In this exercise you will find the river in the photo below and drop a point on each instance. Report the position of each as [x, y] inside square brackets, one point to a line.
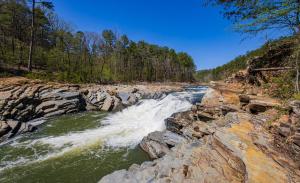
[86, 146]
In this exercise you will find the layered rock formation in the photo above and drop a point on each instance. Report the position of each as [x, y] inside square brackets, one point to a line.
[226, 138]
[27, 100]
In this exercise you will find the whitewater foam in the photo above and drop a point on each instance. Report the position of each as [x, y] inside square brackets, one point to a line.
[121, 129]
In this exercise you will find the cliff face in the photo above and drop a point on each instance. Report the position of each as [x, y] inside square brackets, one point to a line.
[229, 137]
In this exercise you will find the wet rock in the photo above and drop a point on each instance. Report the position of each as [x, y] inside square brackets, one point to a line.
[4, 128]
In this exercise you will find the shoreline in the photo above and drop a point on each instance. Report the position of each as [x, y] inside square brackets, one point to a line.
[23, 100]
[224, 138]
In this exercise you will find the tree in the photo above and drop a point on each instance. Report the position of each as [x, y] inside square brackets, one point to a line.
[45, 4]
[255, 16]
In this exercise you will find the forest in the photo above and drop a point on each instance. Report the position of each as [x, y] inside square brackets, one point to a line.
[35, 42]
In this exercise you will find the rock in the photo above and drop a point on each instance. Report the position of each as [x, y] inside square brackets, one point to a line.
[203, 116]
[101, 96]
[197, 129]
[154, 145]
[172, 139]
[108, 104]
[296, 138]
[132, 99]
[257, 106]
[117, 104]
[295, 105]
[157, 144]
[124, 96]
[212, 98]
[244, 98]
[4, 128]
[284, 129]
[177, 121]
[228, 108]
[193, 162]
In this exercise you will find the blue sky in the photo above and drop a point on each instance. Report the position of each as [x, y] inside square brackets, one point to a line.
[184, 25]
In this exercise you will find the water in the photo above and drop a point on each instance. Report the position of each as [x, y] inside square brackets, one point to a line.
[86, 146]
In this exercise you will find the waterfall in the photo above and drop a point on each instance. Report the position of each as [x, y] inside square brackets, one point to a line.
[118, 130]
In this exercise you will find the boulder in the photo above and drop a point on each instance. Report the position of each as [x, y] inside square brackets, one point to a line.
[108, 104]
[154, 145]
[157, 144]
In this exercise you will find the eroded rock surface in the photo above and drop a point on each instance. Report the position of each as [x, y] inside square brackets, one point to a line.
[27, 100]
[223, 142]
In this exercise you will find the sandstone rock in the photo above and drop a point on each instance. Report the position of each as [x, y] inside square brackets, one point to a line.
[228, 108]
[108, 104]
[203, 116]
[296, 138]
[212, 98]
[193, 162]
[257, 106]
[197, 129]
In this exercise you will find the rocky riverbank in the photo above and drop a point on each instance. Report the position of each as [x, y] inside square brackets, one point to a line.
[233, 135]
[24, 103]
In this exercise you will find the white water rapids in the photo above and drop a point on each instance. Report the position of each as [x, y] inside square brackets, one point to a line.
[121, 129]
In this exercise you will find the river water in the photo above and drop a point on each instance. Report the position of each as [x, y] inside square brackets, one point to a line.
[86, 146]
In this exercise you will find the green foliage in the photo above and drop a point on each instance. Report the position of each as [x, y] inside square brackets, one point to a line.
[296, 96]
[281, 86]
[65, 55]
[240, 62]
[254, 16]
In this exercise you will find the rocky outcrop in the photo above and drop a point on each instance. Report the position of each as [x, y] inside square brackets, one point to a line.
[220, 141]
[27, 100]
[158, 144]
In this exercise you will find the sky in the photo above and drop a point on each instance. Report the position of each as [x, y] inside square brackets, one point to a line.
[185, 25]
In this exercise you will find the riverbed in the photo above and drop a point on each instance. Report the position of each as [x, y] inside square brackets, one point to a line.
[86, 146]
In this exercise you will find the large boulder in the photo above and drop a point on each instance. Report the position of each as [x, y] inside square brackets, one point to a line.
[157, 144]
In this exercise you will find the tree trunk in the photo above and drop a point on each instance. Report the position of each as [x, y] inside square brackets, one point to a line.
[297, 73]
[31, 37]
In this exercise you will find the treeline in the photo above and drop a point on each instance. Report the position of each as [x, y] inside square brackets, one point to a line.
[60, 53]
[240, 62]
